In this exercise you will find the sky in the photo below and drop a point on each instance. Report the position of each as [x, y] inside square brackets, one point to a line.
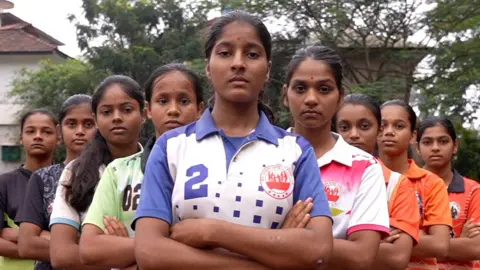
[50, 16]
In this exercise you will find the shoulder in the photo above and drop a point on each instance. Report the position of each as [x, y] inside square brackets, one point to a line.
[362, 159]
[9, 177]
[431, 179]
[54, 170]
[289, 137]
[183, 131]
[121, 164]
[471, 183]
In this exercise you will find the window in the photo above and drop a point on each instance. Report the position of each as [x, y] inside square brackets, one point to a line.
[11, 152]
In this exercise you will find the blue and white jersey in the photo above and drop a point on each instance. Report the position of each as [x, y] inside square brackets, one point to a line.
[197, 171]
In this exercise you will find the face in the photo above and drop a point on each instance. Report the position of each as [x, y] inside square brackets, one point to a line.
[78, 127]
[312, 94]
[173, 102]
[437, 147]
[396, 135]
[358, 126]
[119, 117]
[39, 136]
[238, 67]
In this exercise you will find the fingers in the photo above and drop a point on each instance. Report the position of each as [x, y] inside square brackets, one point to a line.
[391, 238]
[298, 214]
[303, 223]
[108, 226]
[473, 232]
[113, 226]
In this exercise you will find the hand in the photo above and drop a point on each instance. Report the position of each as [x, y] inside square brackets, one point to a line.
[45, 235]
[114, 227]
[10, 234]
[394, 235]
[194, 232]
[299, 215]
[470, 229]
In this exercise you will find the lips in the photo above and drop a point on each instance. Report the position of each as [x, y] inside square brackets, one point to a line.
[79, 141]
[388, 142]
[238, 80]
[37, 145]
[173, 124]
[118, 130]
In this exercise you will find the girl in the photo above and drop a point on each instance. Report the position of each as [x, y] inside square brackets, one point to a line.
[228, 180]
[398, 131]
[175, 98]
[437, 144]
[118, 107]
[358, 122]
[353, 179]
[39, 138]
[77, 128]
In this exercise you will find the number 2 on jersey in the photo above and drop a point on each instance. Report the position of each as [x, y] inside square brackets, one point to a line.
[201, 173]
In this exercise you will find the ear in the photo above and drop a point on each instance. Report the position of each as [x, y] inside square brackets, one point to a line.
[200, 109]
[95, 120]
[59, 134]
[413, 139]
[340, 101]
[267, 78]
[284, 95]
[456, 143]
[144, 115]
[417, 147]
[148, 110]
[21, 139]
[207, 70]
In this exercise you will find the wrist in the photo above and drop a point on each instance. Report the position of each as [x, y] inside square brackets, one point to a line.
[213, 232]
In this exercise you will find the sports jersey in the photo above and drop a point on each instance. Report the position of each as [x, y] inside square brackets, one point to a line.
[402, 203]
[355, 189]
[432, 199]
[12, 192]
[117, 193]
[464, 195]
[63, 212]
[37, 205]
[195, 172]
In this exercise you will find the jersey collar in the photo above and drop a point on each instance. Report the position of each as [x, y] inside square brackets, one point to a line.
[414, 172]
[341, 153]
[265, 130]
[457, 185]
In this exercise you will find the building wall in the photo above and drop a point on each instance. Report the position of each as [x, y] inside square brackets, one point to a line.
[9, 108]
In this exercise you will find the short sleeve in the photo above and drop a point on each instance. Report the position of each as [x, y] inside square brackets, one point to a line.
[437, 203]
[105, 201]
[308, 182]
[473, 210]
[32, 209]
[3, 202]
[157, 187]
[63, 212]
[370, 210]
[404, 214]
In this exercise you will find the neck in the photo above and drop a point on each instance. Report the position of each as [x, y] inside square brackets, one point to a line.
[445, 173]
[71, 155]
[235, 119]
[33, 163]
[320, 138]
[121, 151]
[397, 163]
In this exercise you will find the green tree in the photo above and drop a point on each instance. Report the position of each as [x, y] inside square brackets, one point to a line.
[468, 157]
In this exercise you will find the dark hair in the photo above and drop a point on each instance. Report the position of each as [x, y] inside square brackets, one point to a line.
[367, 102]
[164, 70]
[72, 102]
[319, 53]
[216, 31]
[412, 116]
[437, 120]
[37, 111]
[85, 175]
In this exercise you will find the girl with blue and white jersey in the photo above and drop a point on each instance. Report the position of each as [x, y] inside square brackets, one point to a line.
[227, 181]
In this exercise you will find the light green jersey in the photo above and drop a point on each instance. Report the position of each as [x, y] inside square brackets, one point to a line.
[118, 192]
[11, 263]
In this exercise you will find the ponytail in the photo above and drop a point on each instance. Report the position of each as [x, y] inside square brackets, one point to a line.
[85, 174]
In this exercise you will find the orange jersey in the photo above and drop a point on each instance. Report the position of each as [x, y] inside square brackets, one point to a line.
[432, 198]
[402, 203]
[464, 197]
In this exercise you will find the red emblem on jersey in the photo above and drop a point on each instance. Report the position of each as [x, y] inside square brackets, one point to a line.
[277, 181]
[333, 191]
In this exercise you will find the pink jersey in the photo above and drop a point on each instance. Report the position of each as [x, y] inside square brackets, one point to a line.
[355, 188]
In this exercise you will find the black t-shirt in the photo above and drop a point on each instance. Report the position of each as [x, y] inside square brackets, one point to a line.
[12, 192]
[146, 152]
[37, 205]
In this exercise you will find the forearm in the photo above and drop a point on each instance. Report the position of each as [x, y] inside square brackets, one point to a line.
[279, 249]
[10, 234]
[68, 257]
[104, 250]
[429, 247]
[350, 255]
[464, 249]
[8, 249]
[35, 248]
[131, 267]
[168, 254]
[391, 256]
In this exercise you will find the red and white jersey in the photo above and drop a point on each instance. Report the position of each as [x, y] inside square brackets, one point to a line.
[355, 188]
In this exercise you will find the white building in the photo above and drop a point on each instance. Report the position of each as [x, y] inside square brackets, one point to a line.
[21, 46]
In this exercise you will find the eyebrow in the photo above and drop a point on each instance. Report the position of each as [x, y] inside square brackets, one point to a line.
[317, 81]
[230, 44]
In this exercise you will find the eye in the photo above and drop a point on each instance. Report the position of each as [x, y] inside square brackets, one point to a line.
[29, 132]
[444, 141]
[224, 53]
[299, 88]
[105, 112]
[324, 89]
[71, 124]
[399, 126]
[185, 101]
[344, 127]
[253, 55]
[128, 109]
[365, 126]
[89, 124]
[163, 101]
[426, 142]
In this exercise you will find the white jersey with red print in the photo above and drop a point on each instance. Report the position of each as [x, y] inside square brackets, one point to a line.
[355, 188]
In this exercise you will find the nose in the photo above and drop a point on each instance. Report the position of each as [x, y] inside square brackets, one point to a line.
[173, 109]
[238, 62]
[435, 147]
[80, 131]
[387, 130]
[117, 116]
[311, 98]
[38, 136]
[354, 135]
